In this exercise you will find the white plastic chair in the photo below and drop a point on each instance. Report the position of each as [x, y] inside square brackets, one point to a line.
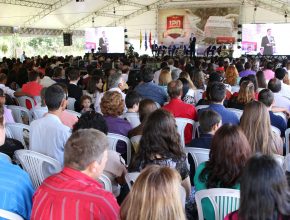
[9, 215]
[198, 95]
[38, 112]
[71, 103]
[113, 140]
[276, 130]
[201, 107]
[22, 101]
[77, 114]
[199, 155]
[133, 119]
[235, 89]
[287, 134]
[135, 140]
[181, 124]
[34, 163]
[131, 178]
[18, 112]
[279, 158]
[238, 112]
[224, 201]
[17, 131]
[106, 182]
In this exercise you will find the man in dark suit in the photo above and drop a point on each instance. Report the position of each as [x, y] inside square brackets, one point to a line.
[74, 91]
[192, 41]
[103, 43]
[268, 43]
[171, 49]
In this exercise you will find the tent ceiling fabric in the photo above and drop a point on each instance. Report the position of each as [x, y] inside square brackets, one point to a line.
[71, 15]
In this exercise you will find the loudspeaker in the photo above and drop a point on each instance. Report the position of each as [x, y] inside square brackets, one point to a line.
[67, 39]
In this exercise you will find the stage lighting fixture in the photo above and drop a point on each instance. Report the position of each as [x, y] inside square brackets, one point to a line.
[126, 36]
[239, 25]
[125, 30]
[239, 32]
[239, 40]
[80, 0]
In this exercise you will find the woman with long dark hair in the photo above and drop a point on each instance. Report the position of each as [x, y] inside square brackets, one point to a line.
[229, 152]
[264, 191]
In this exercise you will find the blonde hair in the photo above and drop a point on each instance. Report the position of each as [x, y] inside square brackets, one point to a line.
[246, 93]
[165, 77]
[155, 195]
[255, 123]
[231, 75]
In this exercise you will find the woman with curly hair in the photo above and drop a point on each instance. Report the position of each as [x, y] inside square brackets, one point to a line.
[231, 75]
[160, 144]
[229, 153]
[112, 106]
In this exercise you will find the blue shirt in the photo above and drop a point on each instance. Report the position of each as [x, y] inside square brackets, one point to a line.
[227, 115]
[204, 141]
[152, 91]
[278, 122]
[16, 189]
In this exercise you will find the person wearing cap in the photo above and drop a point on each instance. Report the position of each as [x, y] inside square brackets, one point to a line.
[280, 74]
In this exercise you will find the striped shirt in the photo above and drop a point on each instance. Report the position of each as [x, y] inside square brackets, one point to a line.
[71, 195]
[16, 189]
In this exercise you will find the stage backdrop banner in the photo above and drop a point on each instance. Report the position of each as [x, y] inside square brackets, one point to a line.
[207, 24]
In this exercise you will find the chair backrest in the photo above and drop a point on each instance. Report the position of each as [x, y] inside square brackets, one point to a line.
[19, 132]
[287, 134]
[9, 215]
[71, 103]
[279, 158]
[276, 130]
[238, 112]
[198, 95]
[22, 101]
[235, 89]
[201, 107]
[19, 113]
[38, 113]
[199, 155]
[34, 162]
[131, 178]
[133, 119]
[77, 114]
[181, 124]
[113, 140]
[223, 200]
[135, 140]
[106, 182]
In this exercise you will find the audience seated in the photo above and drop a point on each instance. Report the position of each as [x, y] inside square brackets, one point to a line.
[280, 74]
[155, 195]
[164, 79]
[8, 117]
[268, 71]
[7, 90]
[209, 122]
[32, 88]
[262, 84]
[74, 91]
[48, 135]
[94, 85]
[86, 102]
[149, 90]
[180, 109]
[217, 94]
[267, 97]
[279, 100]
[45, 79]
[229, 153]
[255, 122]
[160, 144]
[188, 94]
[264, 191]
[248, 70]
[231, 75]
[75, 192]
[132, 101]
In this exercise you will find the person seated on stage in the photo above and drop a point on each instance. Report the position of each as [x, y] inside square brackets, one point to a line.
[16, 188]
[150, 90]
[209, 122]
[161, 49]
[75, 192]
[266, 96]
[171, 49]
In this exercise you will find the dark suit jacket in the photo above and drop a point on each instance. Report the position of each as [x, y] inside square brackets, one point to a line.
[104, 48]
[268, 50]
[74, 91]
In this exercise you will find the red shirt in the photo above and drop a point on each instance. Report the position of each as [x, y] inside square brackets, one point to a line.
[32, 88]
[71, 195]
[181, 109]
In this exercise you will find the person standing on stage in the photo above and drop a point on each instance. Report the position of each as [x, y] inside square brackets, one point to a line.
[103, 43]
[268, 43]
[171, 49]
[192, 41]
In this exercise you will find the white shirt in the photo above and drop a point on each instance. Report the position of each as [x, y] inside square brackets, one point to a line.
[285, 90]
[281, 101]
[7, 90]
[48, 136]
[46, 81]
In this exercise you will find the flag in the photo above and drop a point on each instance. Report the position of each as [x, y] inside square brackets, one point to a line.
[150, 40]
[140, 39]
[146, 46]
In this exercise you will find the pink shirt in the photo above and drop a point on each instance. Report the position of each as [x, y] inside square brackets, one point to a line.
[269, 74]
[68, 119]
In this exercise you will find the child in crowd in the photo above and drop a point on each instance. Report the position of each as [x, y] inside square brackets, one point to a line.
[86, 102]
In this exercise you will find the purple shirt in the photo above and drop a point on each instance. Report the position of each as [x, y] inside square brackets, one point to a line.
[118, 126]
[246, 73]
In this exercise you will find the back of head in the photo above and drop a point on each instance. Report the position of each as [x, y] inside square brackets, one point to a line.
[270, 195]
[147, 74]
[274, 85]
[246, 92]
[146, 107]
[185, 86]
[33, 75]
[112, 104]
[165, 77]
[270, 66]
[54, 95]
[84, 147]
[248, 65]
[74, 74]
[217, 92]
[280, 73]
[225, 161]
[255, 122]
[155, 195]
[207, 119]
[114, 80]
[132, 98]
[174, 89]
[266, 96]
[3, 78]
[261, 80]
